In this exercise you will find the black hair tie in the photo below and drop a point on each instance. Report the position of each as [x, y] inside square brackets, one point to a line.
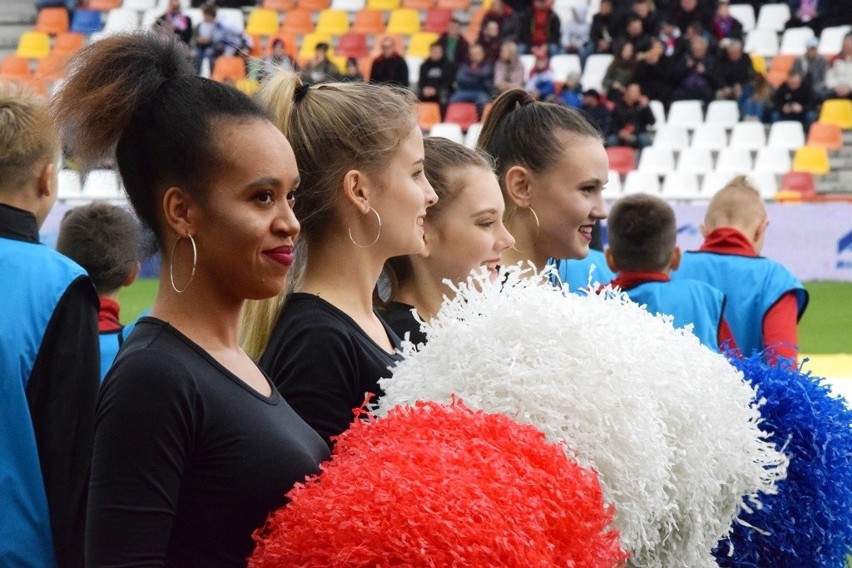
[300, 92]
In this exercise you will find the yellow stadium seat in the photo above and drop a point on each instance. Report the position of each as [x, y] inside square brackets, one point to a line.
[262, 22]
[420, 43]
[404, 21]
[759, 63]
[382, 4]
[309, 44]
[837, 111]
[33, 45]
[339, 62]
[811, 159]
[248, 86]
[333, 22]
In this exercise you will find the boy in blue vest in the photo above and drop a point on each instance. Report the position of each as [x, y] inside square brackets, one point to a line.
[643, 251]
[105, 240]
[48, 354]
[765, 300]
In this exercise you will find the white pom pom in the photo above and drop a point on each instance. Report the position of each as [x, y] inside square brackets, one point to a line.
[670, 426]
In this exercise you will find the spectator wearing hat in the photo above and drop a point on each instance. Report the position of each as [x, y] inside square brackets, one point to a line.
[813, 67]
[597, 112]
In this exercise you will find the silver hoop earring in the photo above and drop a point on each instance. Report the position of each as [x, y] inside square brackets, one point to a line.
[172, 264]
[378, 234]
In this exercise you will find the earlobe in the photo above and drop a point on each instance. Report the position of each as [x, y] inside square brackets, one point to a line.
[518, 186]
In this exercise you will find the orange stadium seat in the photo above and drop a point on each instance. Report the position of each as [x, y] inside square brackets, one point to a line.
[103, 5]
[779, 69]
[353, 45]
[69, 43]
[14, 68]
[52, 21]
[315, 5]
[368, 22]
[229, 68]
[829, 136]
[437, 20]
[463, 114]
[418, 4]
[52, 67]
[454, 4]
[279, 5]
[428, 115]
[298, 21]
[474, 25]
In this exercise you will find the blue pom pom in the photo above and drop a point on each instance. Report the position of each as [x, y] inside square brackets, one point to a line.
[809, 521]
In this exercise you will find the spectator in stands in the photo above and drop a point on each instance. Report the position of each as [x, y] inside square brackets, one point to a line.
[571, 94]
[725, 26]
[278, 59]
[694, 74]
[436, 77]
[794, 100]
[634, 33]
[814, 68]
[756, 106]
[320, 69]
[670, 37]
[214, 37]
[509, 70]
[734, 73]
[474, 79]
[765, 301]
[839, 76]
[644, 10]
[539, 26]
[456, 48]
[505, 17]
[48, 355]
[631, 119]
[541, 83]
[389, 67]
[655, 72]
[691, 11]
[575, 32]
[596, 111]
[106, 241]
[352, 73]
[490, 40]
[621, 71]
[601, 32]
[684, 43]
[804, 13]
[175, 21]
[643, 252]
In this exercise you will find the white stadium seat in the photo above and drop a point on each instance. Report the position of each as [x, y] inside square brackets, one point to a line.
[656, 160]
[695, 161]
[789, 134]
[773, 16]
[773, 160]
[734, 160]
[448, 130]
[685, 113]
[681, 185]
[710, 136]
[748, 136]
[642, 182]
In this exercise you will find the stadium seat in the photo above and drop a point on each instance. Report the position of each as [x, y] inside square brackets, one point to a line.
[565, 63]
[800, 182]
[121, 20]
[437, 20]
[766, 184]
[787, 134]
[447, 130]
[831, 40]
[428, 115]
[419, 44]
[418, 4]
[773, 17]
[69, 43]
[290, 43]
[33, 45]
[139, 5]
[233, 16]
[277, 5]
[748, 136]
[745, 14]
[733, 160]
[369, 22]
[52, 21]
[794, 39]
[773, 160]
[298, 21]
[724, 113]
[386, 5]
[229, 68]
[103, 5]
[309, 45]
[762, 42]
[68, 186]
[353, 45]
[314, 5]
[474, 25]
[671, 136]
[827, 135]
[837, 111]
[622, 159]
[404, 21]
[455, 4]
[656, 160]
[759, 63]
[248, 86]
[14, 68]
[262, 22]
[685, 113]
[594, 71]
[681, 185]
[779, 69]
[613, 185]
[414, 62]
[102, 184]
[659, 110]
[811, 159]
[471, 137]
[641, 182]
[695, 161]
[528, 61]
[51, 68]
[332, 22]
[710, 136]
[714, 181]
[463, 114]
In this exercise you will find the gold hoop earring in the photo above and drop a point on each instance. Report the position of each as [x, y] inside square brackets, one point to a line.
[537, 227]
[378, 234]
[172, 264]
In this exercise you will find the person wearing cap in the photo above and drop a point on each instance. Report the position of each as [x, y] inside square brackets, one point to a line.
[813, 67]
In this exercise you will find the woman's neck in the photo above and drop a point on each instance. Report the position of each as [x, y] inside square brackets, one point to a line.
[343, 277]
[424, 292]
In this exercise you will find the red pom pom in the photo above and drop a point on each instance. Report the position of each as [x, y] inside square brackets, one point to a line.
[438, 485]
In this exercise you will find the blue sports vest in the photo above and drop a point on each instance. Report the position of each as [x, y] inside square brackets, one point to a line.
[575, 273]
[33, 279]
[688, 301]
[752, 285]
[110, 343]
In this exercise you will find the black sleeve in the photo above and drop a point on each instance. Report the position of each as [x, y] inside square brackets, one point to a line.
[61, 395]
[403, 71]
[146, 414]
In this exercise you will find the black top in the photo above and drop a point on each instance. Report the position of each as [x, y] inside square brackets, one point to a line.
[399, 318]
[188, 459]
[324, 363]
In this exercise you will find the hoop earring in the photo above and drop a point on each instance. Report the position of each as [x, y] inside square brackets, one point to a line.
[379, 234]
[172, 264]
[537, 227]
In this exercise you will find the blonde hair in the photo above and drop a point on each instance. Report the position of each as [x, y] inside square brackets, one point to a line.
[738, 205]
[333, 128]
[28, 135]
